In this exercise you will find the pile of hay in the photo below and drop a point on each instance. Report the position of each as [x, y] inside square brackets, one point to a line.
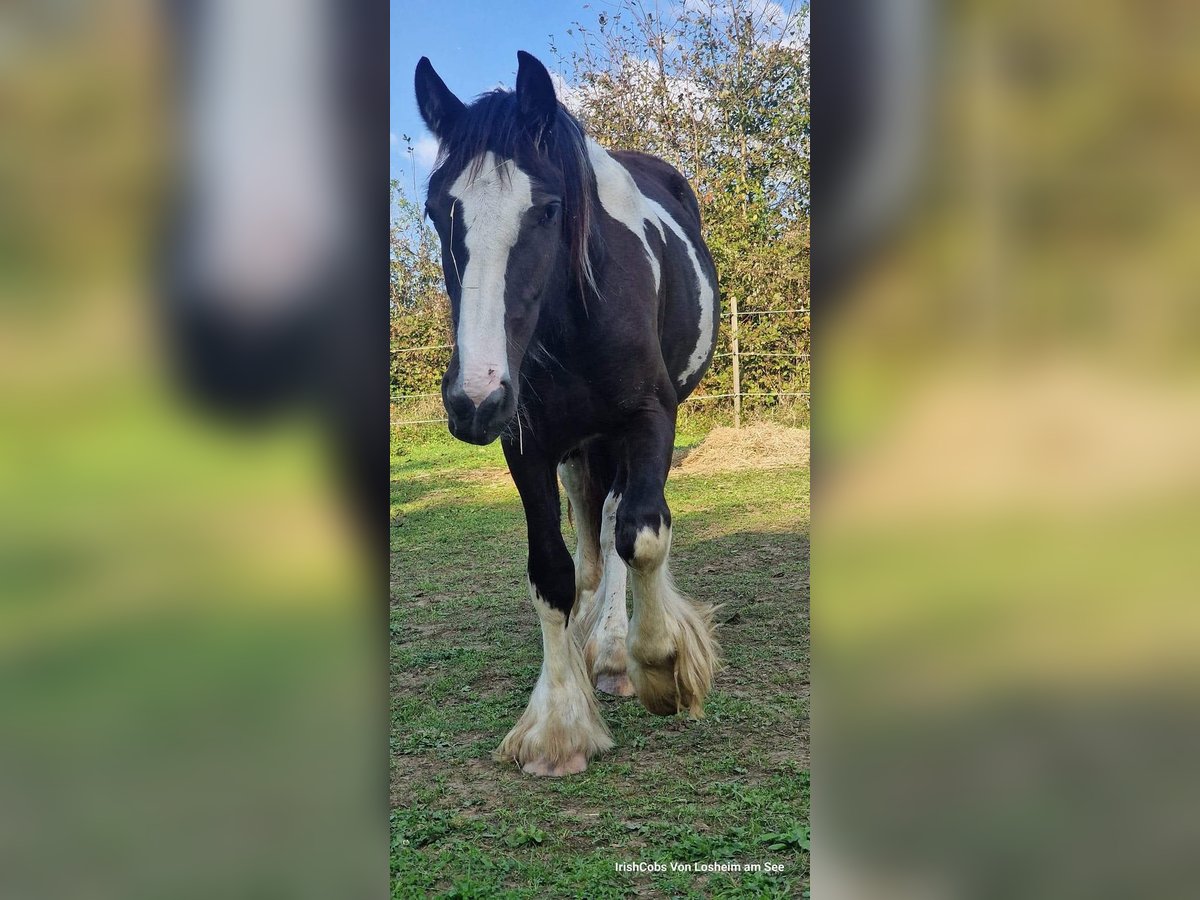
[759, 446]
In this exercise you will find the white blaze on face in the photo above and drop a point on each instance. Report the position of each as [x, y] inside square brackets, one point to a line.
[493, 205]
[269, 209]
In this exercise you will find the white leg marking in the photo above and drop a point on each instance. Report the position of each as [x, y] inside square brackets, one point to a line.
[673, 654]
[493, 204]
[561, 728]
[605, 626]
[574, 476]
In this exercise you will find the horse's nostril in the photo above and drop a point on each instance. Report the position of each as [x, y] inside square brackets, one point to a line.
[458, 403]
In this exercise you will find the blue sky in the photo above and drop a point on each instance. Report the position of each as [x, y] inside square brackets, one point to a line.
[473, 46]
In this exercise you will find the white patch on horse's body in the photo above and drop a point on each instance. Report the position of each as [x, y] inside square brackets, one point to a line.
[705, 342]
[621, 199]
[603, 627]
[493, 204]
[561, 727]
[624, 201]
[672, 652]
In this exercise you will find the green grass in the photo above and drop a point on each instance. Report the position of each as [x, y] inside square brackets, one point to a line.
[465, 652]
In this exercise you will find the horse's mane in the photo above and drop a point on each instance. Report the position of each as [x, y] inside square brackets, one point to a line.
[493, 122]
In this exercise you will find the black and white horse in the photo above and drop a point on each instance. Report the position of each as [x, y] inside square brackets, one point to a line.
[275, 229]
[585, 309]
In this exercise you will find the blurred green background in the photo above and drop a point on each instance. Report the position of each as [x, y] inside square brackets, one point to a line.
[191, 692]
[1007, 473]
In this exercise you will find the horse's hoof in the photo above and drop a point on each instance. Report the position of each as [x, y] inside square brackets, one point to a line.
[572, 765]
[656, 687]
[674, 672]
[618, 685]
[657, 690]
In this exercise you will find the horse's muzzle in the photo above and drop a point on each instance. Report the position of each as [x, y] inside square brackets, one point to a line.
[480, 424]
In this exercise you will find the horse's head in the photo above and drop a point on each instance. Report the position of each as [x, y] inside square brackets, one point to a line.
[509, 200]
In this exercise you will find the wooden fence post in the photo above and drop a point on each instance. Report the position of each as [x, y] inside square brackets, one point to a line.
[737, 368]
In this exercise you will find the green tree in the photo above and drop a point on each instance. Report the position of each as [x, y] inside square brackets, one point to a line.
[420, 315]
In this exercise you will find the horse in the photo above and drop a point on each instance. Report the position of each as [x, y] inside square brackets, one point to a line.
[584, 306]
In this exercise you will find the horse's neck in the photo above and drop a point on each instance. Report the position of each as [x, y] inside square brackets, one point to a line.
[562, 327]
[621, 198]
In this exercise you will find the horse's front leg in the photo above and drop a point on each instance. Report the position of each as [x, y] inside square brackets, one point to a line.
[672, 653]
[561, 728]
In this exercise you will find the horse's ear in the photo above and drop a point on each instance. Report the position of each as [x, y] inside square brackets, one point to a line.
[439, 107]
[535, 93]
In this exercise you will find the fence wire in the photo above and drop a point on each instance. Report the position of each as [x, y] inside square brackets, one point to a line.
[740, 354]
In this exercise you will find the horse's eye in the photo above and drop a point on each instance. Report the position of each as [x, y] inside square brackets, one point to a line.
[550, 212]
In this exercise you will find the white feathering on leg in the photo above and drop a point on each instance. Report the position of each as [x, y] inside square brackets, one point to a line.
[561, 728]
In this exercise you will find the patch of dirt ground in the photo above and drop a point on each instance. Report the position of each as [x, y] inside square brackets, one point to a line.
[761, 446]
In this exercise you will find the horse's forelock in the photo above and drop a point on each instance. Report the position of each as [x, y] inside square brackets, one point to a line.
[492, 123]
